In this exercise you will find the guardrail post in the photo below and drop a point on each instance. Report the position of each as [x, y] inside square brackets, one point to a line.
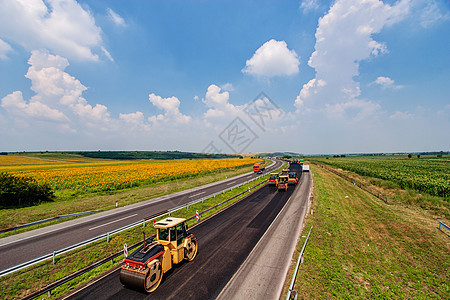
[53, 257]
[107, 237]
[143, 223]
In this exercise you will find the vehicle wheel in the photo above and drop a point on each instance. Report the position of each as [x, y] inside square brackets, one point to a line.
[190, 251]
[154, 276]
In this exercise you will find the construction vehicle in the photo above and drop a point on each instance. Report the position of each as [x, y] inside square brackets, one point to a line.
[273, 179]
[283, 183]
[293, 179]
[301, 162]
[285, 172]
[305, 168]
[259, 167]
[145, 267]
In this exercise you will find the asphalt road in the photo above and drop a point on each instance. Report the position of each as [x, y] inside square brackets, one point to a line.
[225, 241]
[15, 250]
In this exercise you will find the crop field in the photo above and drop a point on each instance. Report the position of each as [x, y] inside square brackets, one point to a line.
[430, 176]
[111, 175]
[363, 248]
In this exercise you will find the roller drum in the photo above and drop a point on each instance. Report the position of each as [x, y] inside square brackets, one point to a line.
[132, 279]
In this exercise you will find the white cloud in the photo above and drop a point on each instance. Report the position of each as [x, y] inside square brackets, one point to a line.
[171, 110]
[218, 103]
[227, 87]
[399, 115]
[4, 49]
[136, 120]
[107, 54]
[343, 40]
[386, 83]
[309, 5]
[58, 96]
[429, 13]
[61, 26]
[115, 18]
[15, 104]
[273, 58]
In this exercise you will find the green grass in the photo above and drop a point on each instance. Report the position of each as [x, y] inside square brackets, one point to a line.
[18, 284]
[69, 203]
[361, 247]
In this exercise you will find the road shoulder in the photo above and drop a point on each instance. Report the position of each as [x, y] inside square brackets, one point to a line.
[263, 273]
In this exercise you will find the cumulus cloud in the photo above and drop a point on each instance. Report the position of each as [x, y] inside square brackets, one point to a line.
[15, 104]
[218, 103]
[171, 109]
[115, 18]
[4, 49]
[61, 26]
[386, 83]
[343, 40]
[273, 58]
[136, 120]
[58, 96]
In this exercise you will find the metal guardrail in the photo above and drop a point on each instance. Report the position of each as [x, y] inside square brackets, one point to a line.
[442, 224]
[292, 292]
[72, 276]
[108, 234]
[50, 219]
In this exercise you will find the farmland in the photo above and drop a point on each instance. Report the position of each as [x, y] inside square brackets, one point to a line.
[360, 247]
[111, 175]
[431, 176]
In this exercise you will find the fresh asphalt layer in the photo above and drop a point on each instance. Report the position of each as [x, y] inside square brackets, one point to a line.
[25, 246]
[227, 242]
[263, 274]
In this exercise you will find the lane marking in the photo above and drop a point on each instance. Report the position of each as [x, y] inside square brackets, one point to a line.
[196, 195]
[112, 222]
[231, 183]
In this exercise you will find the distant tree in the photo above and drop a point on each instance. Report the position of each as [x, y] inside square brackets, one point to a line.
[418, 155]
[409, 155]
[22, 191]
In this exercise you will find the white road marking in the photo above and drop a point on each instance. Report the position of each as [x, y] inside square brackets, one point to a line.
[196, 195]
[230, 183]
[112, 222]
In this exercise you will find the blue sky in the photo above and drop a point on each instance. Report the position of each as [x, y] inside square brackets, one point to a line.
[343, 76]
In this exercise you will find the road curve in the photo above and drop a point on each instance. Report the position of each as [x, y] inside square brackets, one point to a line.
[23, 247]
[225, 242]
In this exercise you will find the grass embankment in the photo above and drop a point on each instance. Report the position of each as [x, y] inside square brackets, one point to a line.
[103, 200]
[18, 284]
[362, 247]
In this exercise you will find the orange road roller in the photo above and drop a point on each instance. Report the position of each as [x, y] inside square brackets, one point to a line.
[145, 267]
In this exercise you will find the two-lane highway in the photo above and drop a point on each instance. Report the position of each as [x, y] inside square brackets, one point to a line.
[23, 247]
[224, 240]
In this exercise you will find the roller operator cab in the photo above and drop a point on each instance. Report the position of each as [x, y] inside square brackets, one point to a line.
[293, 178]
[283, 183]
[273, 179]
[145, 267]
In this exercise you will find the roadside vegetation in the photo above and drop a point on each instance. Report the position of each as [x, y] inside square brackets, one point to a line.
[88, 186]
[18, 284]
[362, 247]
[428, 174]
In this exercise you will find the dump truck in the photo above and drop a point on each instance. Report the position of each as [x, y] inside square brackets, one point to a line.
[293, 179]
[145, 267]
[273, 179]
[283, 183]
[259, 167]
